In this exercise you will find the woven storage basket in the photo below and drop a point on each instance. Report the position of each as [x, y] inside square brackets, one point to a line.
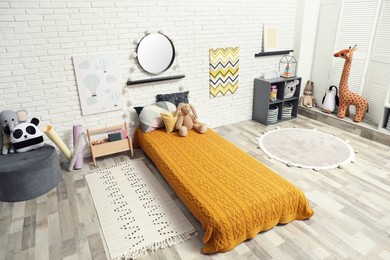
[273, 114]
[287, 110]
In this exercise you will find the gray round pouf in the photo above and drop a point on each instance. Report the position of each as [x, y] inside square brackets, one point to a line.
[25, 176]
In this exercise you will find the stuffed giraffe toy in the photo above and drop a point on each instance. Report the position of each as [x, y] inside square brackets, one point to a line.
[347, 97]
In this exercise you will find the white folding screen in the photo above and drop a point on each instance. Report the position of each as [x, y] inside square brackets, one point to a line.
[344, 23]
[356, 26]
[324, 45]
[376, 89]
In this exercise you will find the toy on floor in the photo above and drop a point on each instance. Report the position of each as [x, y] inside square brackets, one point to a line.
[346, 96]
[8, 121]
[187, 120]
[307, 99]
[330, 100]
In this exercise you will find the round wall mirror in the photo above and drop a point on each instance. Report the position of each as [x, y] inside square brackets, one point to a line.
[155, 53]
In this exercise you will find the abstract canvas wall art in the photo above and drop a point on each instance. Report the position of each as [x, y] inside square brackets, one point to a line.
[224, 68]
[98, 82]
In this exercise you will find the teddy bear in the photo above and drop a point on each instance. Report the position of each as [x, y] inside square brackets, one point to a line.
[307, 99]
[187, 120]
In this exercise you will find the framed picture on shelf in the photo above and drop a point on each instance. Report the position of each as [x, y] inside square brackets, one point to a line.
[270, 37]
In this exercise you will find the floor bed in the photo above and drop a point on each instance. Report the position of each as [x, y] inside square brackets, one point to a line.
[233, 195]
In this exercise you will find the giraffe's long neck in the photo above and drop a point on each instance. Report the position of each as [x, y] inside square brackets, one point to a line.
[343, 87]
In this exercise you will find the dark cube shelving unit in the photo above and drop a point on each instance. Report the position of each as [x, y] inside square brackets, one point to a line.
[261, 100]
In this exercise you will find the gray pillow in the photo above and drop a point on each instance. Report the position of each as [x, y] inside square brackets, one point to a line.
[150, 115]
[175, 98]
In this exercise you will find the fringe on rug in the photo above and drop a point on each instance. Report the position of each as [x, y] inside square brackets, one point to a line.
[175, 240]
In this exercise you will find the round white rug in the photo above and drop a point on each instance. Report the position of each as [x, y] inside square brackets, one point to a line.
[306, 148]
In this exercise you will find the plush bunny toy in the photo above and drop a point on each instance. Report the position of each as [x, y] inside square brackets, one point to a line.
[187, 120]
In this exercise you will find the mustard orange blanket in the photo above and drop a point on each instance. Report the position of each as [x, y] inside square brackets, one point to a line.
[233, 195]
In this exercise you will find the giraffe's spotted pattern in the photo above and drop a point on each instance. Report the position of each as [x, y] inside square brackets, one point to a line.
[346, 96]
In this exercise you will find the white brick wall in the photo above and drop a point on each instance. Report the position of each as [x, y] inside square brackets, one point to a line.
[38, 39]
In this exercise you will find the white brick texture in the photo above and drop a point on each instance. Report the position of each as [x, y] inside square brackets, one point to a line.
[39, 38]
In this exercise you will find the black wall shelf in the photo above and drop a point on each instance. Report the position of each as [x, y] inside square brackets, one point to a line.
[141, 81]
[270, 53]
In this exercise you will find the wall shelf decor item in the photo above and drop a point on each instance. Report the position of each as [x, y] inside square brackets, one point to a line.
[155, 54]
[142, 81]
[270, 37]
[224, 70]
[287, 66]
[98, 82]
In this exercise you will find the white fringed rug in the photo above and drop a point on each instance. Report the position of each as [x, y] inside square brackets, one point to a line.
[306, 148]
[135, 212]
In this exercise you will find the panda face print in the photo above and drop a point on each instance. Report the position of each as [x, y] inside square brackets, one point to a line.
[29, 131]
[27, 136]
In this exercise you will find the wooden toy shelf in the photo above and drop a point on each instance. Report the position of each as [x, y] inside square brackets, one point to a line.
[107, 148]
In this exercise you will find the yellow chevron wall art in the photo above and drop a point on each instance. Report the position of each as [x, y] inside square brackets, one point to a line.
[224, 70]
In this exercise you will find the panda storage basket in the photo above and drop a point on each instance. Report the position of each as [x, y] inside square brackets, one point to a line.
[25, 176]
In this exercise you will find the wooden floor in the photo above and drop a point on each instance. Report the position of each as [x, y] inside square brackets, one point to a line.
[351, 221]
